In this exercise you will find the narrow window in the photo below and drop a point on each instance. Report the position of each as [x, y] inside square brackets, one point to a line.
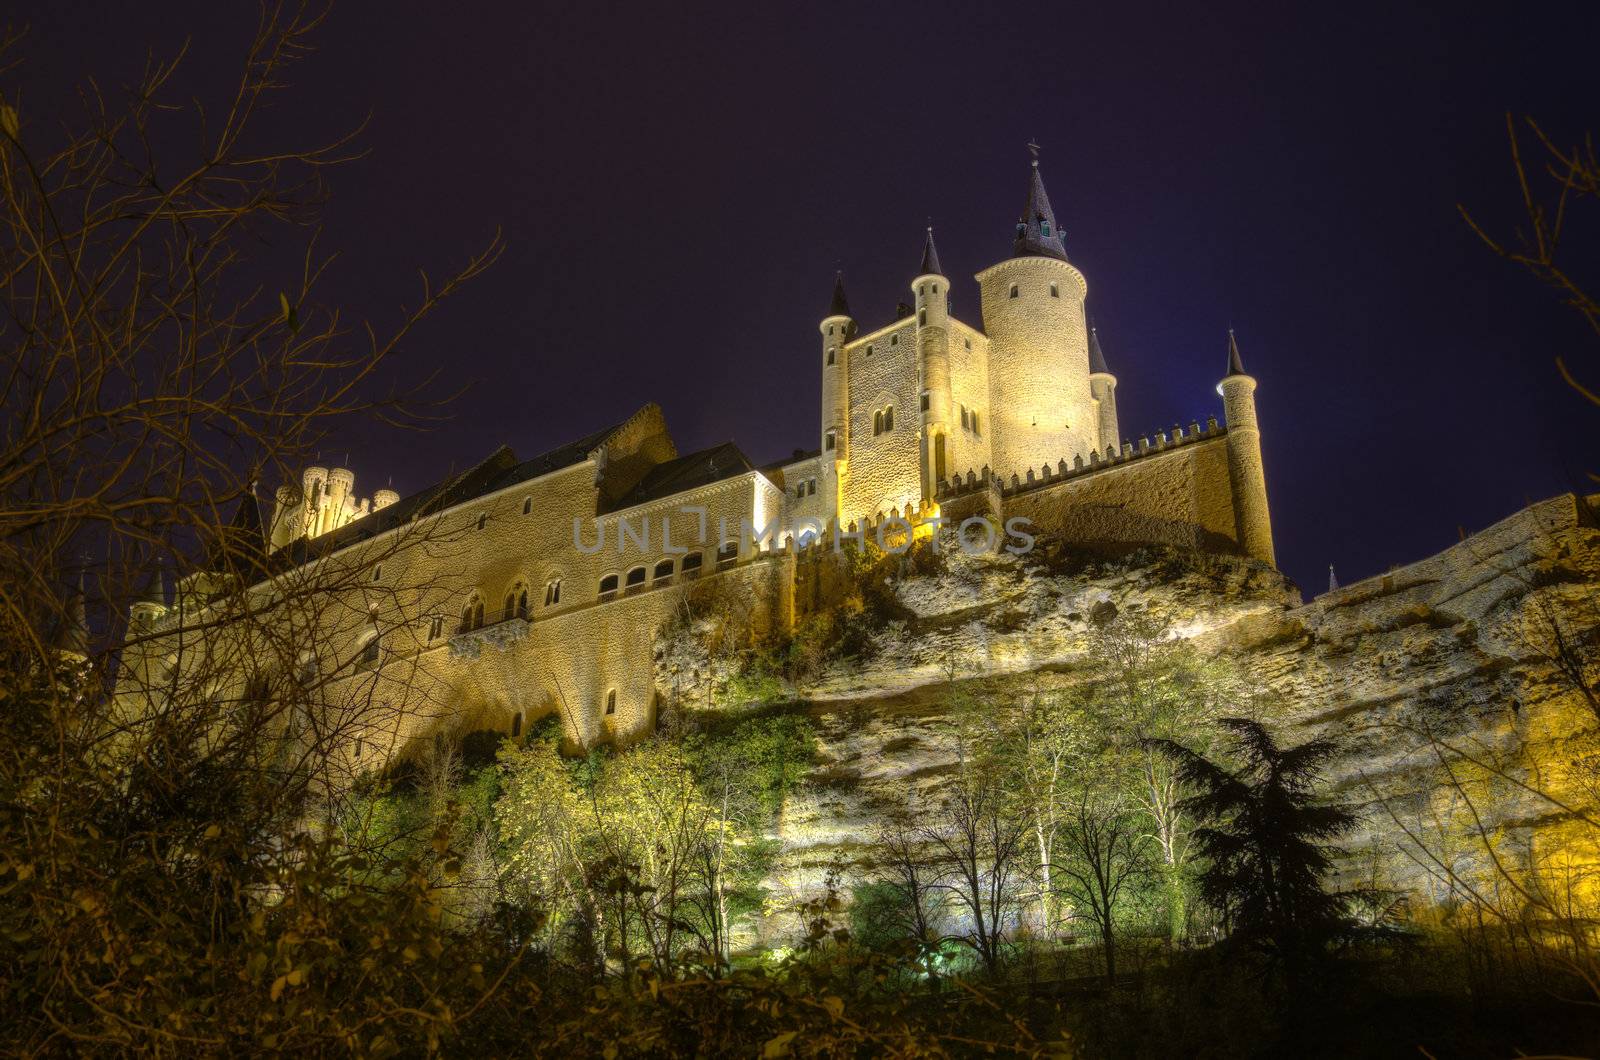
[894, 340]
[922, 316]
[830, 354]
[938, 457]
[830, 329]
[975, 422]
[869, 351]
[828, 439]
[964, 421]
[800, 490]
[1013, 290]
[527, 505]
[811, 487]
[358, 748]
[888, 418]
[967, 343]
[663, 571]
[927, 401]
[516, 724]
[1044, 229]
[608, 586]
[522, 602]
[477, 615]
[377, 573]
[552, 592]
[435, 627]
[611, 701]
[482, 519]
[922, 289]
[1055, 292]
[877, 422]
[691, 564]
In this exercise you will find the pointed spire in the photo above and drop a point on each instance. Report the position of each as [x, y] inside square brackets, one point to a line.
[1037, 233]
[75, 629]
[1235, 365]
[930, 257]
[154, 588]
[839, 307]
[1333, 579]
[1097, 359]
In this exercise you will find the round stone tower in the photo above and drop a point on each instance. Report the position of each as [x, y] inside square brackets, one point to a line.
[1245, 471]
[837, 328]
[1041, 409]
[1103, 387]
[340, 498]
[931, 292]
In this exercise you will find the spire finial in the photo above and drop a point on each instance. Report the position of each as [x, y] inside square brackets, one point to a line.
[1033, 148]
[1235, 362]
[839, 306]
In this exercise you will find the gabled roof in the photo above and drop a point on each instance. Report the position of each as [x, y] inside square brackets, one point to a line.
[1037, 233]
[930, 257]
[689, 472]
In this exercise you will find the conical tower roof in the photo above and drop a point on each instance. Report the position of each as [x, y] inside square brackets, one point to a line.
[1235, 364]
[930, 257]
[1038, 236]
[1097, 359]
[153, 589]
[840, 306]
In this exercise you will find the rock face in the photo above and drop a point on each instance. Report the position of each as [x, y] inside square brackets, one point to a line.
[1456, 658]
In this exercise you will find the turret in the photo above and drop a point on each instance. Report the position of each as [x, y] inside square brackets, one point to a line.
[836, 328]
[340, 499]
[150, 603]
[1041, 409]
[1244, 459]
[383, 498]
[932, 299]
[1103, 388]
[288, 515]
[314, 484]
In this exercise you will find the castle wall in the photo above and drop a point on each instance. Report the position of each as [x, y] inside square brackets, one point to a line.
[883, 469]
[1180, 496]
[968, 449]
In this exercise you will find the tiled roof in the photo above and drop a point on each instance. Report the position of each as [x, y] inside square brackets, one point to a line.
[1037, 233]
[720, 462]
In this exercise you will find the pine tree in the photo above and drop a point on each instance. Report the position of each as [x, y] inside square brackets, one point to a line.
[1266, 842]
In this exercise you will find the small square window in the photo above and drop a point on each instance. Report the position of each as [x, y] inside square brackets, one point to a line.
[967, 343]
[482, 520]
[894, 340]
[1013, 290]
[926, 401]
[869, 351]
[435, 628]
[830, 354]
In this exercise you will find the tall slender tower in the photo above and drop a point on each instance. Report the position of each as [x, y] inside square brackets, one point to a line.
[836, 328]
[932, 293]
[1103, 387]
[1040, 406]
[1244, 459]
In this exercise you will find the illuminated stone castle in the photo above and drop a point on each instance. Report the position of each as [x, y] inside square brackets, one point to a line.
[523, 587]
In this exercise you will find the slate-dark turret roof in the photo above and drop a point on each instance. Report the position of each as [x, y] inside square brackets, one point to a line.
[1038, 236]
[930, 257]
[1097, 359]
[839, 306]
[1235, 365]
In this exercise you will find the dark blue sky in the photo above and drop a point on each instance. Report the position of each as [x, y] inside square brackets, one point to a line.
[677, 184]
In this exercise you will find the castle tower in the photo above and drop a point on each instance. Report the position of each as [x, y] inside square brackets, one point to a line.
[340, 499]
[288, 516]
[836, 328]
[314, 484]
[1041, 409]
[932, 294]
[1103, 387]
[1244, 459]
[150, 606]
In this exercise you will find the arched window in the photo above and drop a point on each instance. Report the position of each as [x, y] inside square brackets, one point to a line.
[727, 553]
[922, 316]
[516, 724]
[1055, 292]
[516, 602]
[1013, 290]
[691, 564]
[608, 586]
[877, 422]
[927, 400]
[377, 573]
[611, 701]
[471, 614]
[634, 580]
[965, 422]
[888, 418]
[552, 592]
[831, 352]
[662, 573]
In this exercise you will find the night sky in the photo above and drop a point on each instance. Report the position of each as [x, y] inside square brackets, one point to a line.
[677, 185]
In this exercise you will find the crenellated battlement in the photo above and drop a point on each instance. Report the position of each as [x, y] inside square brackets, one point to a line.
[1160, 441]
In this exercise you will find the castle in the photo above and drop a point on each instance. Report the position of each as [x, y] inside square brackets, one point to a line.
[525, 586]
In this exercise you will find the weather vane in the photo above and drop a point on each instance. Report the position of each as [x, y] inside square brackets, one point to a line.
[1033, 147]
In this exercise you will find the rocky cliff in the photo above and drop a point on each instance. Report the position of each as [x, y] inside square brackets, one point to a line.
[1443, 681]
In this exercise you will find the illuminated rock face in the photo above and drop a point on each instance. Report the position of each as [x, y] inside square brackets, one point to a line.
[1452, 651]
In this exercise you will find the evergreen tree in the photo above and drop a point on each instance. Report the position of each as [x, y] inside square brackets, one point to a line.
[1266, 842]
